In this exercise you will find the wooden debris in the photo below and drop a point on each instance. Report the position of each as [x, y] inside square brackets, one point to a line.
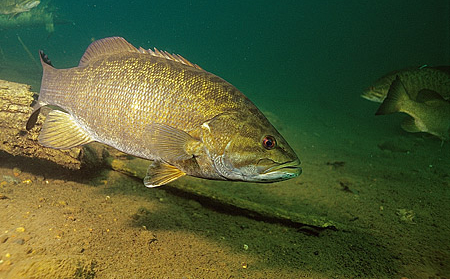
[15, 108]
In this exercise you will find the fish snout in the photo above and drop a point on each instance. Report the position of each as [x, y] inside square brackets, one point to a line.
[279, 171]
[30, 5]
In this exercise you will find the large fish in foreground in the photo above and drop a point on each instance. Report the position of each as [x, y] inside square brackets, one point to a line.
[435, 79]
[161, 107]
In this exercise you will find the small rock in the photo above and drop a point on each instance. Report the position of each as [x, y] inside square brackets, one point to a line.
[16, 172]
[39, 178]
[3, 238]
[10, 179]
[62, 203]
[195, 204]
[406, 216]
[397, 145]
[27, 181]
[20, 241]
[336, 164]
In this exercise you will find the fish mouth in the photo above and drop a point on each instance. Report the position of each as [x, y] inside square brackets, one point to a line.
[283, 171]
[31, 4]
[373, 95]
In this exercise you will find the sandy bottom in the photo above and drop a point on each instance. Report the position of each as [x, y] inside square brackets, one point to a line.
[389, 192]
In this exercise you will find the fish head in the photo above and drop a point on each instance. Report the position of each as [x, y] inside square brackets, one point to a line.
[246, 147]
[28, 4]
[376, 92]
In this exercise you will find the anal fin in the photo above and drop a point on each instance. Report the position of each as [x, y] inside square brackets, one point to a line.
[61, 131]
[160, 173]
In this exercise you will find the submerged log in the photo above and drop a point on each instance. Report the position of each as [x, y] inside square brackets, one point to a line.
[15, 108]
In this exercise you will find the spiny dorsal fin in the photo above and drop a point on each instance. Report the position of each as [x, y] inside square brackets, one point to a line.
[174, 57]
[106, 46]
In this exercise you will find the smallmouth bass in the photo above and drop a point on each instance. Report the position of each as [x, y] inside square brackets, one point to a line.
[427, 110]
[14, 7]
[161, 107]
[414, 80]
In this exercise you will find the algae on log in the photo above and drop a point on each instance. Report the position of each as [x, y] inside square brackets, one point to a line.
[309, 224]
[15, 108]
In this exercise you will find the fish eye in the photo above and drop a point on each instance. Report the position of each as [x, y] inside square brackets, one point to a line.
[269, 142]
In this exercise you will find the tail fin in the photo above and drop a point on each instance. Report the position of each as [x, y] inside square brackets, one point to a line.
[46, 65]
[395, 98]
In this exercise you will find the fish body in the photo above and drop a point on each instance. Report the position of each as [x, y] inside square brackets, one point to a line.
[161, 107]
[435, 79]
[428, 111]
[40, 16]
[14, 7]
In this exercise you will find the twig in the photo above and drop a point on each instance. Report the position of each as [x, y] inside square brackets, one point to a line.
[28, 52]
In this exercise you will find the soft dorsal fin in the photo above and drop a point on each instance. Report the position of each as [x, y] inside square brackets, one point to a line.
[164, 54]
[106, 46]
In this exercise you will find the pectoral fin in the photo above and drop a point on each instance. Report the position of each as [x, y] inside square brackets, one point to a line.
[171, 144]
[160, 173]
[61, 131]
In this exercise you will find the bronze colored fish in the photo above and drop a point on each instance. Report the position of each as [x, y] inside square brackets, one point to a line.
[435, 79]
[428, 111]
[14, 7]
[161, 107]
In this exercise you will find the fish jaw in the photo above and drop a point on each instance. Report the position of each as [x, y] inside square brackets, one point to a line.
[30, 5]
[265, 171]
[23, 7]
[280, 172]
[374, 95]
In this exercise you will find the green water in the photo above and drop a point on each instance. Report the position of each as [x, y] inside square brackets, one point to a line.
[306, 63]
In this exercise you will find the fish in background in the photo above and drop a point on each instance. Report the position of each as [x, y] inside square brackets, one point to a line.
[42, 15]
[414, 80]
[428, 111]
[15, 7]
[161, 107]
